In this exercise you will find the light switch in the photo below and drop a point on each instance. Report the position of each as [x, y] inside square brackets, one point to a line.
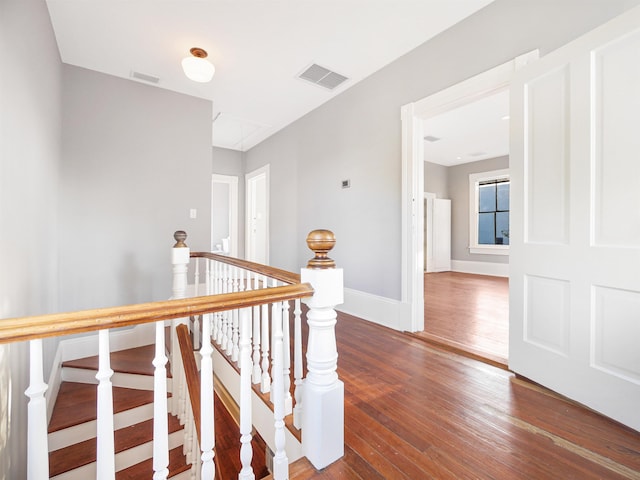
[193, 213]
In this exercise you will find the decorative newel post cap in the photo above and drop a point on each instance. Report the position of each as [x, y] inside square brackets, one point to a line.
[321, 241]
[180, 236]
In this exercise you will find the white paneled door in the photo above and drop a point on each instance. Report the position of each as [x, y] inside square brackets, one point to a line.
[257, 216]
[575, 262]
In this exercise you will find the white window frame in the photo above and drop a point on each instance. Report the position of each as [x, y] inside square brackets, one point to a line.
[474, 181]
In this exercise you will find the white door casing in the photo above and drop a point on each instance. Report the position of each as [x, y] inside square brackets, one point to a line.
[575, 245]
[257, 216]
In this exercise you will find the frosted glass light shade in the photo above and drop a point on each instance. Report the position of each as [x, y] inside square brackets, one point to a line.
[198, 69]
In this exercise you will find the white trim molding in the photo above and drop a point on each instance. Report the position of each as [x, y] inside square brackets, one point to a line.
[480, 268]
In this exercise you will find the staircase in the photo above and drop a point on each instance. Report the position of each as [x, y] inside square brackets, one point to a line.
[72, 427]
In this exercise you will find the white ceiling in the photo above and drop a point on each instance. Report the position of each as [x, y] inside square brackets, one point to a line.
[258, 48]
[473, 132]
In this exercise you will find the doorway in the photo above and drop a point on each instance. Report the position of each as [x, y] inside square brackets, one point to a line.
[466, 155]
[257, 228]
[414, 116]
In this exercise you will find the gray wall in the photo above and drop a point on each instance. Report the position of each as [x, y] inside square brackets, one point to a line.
[458, 186]
[436, 179]
[231, 162]
[135, 159]
[357, 135]
[30, 114]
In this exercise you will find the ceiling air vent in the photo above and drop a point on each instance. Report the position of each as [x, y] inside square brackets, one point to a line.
[322, 76]
[144, 77]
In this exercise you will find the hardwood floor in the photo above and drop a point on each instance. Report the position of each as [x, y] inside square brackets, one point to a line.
[413, 411]
[468, 313]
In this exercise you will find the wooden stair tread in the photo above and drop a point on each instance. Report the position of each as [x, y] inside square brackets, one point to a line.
[76, 403]
[137, 361]
[83, 453]
[144, 470]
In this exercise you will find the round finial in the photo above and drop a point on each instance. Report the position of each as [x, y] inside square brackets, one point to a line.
[180, 236]
[321, 241]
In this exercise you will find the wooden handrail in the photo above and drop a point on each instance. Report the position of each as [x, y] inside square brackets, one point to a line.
[190, 373]
[58, 324]
[272, 272]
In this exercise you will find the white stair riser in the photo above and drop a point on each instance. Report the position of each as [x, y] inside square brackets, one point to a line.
[124, 459]
[85, 431]
[125, 380]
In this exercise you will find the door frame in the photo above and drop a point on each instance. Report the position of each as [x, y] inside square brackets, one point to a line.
[250, 194]
[232, 182]
[412, 115]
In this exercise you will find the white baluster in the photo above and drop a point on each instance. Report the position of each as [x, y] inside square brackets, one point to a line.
[280, 460]
[207, 433]
[256, 373]
[236, 317]
[286, 359]
[265, 385]
[323, 440]
[188, 434]
[217, 288]
[105, 453]
[37, 445]
[297, 365]
[160, 423]
[276, 319]
[246, 451]
[196, 318]
[196, 466]
[228, 334]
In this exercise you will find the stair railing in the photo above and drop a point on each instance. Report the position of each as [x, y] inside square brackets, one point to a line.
[35, 328]
[251, 336]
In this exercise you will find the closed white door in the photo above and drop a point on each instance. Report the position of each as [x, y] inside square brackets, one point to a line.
[257, 215]
[575, 246]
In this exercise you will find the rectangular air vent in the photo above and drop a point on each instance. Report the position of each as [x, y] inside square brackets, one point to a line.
[322, 76]
[144, 77]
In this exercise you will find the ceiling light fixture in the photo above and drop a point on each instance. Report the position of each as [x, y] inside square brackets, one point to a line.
[197, 67]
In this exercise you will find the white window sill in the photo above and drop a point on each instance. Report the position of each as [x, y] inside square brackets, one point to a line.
[490, 250]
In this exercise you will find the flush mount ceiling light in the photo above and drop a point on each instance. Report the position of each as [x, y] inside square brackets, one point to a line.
[197, 67]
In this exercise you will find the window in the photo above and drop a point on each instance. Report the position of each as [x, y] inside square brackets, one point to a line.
[489, 195]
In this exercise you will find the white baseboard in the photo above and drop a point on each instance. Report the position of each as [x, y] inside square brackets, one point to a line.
[480, 268]
[373, 308]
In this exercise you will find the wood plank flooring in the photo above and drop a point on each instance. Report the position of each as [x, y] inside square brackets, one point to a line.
[468, 313]
[417, 412]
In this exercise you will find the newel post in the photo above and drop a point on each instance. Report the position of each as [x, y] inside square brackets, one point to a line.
[323, 392]
[180, 261]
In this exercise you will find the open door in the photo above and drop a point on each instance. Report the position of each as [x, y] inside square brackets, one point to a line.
[575, 246]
